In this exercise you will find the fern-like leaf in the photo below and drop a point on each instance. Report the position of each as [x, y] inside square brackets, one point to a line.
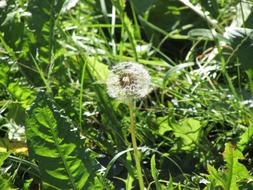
[63, 161]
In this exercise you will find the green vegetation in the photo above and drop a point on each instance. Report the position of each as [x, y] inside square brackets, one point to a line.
[59, 129]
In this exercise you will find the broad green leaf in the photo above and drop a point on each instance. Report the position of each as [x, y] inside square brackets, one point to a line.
[235, 170]
[4, 184]
[98, 69]
[243, 14]
[241, 40]
[27, 184]
[163, 125]
[170, 185]
[188, 133]
[24, 95]
[215, 177]
[3, 157]
[38, 42]
[245, 138]
[4, 74]
[55, 144]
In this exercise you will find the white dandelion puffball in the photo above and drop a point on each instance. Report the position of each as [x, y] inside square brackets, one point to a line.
[128, 81]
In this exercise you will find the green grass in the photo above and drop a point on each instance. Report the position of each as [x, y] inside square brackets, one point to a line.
[194, 129]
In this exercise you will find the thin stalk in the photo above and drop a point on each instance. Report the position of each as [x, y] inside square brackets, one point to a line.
[51, 40]
[42, 75]
[136, 152]
[81, 97]
[250, 77]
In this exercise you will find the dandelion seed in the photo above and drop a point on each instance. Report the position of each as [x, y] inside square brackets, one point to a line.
[128, 81]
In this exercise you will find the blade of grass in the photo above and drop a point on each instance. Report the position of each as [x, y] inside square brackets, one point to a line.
[81, 97]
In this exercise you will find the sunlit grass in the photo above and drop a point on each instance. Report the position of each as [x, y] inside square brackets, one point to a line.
[191, 129]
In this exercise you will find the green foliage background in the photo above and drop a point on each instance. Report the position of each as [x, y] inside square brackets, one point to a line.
[194, 129]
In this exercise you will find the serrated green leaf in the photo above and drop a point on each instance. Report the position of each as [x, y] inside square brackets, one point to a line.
[4, 74]
[235, 170]
[56, 146]
[233, 173]
[215, 177]
[24, 95]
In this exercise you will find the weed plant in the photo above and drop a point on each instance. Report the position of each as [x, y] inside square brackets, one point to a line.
[61, 130]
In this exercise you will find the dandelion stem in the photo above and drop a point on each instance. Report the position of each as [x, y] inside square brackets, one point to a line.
[136, 152]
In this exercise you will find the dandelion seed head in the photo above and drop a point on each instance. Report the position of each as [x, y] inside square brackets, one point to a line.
[127, 81]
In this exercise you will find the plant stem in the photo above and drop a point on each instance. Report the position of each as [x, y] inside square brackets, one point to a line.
[136, 152]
